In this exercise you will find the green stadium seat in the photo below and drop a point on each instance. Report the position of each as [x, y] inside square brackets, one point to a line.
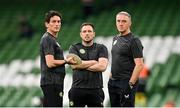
[155, 100]
[167, 72]
[154, 76]
[170, 95]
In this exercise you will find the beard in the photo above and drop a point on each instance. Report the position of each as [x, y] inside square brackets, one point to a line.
[88, 41]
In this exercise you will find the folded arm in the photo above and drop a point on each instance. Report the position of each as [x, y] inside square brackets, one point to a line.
[51, 62]
[100, 66]
[84, 65]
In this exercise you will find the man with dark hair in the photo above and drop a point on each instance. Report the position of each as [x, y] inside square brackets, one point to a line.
[87, 77]
[52, 62]
[127, 62]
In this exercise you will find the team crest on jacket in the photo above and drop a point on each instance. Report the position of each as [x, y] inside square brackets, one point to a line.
[61, 94]
[82, 51]
[58, 44]
[114, 42]
[71, 103]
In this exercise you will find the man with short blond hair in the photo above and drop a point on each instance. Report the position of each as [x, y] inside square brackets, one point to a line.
[127, 62]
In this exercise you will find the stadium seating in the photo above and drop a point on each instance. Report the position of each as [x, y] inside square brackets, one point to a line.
[163, 83]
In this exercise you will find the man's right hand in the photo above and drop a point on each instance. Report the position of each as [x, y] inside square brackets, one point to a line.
[127, 91]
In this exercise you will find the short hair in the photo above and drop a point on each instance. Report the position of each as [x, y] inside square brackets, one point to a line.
[85, 24]
[124, 13]
[50, 14]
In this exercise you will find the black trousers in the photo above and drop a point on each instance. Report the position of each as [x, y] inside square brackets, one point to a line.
[116, 90]
[53, 95]
[79, 97]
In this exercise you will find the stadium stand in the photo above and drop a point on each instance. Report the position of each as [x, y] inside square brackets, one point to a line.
[156, 24]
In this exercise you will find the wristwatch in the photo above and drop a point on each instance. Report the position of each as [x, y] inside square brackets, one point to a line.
[131, 85]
